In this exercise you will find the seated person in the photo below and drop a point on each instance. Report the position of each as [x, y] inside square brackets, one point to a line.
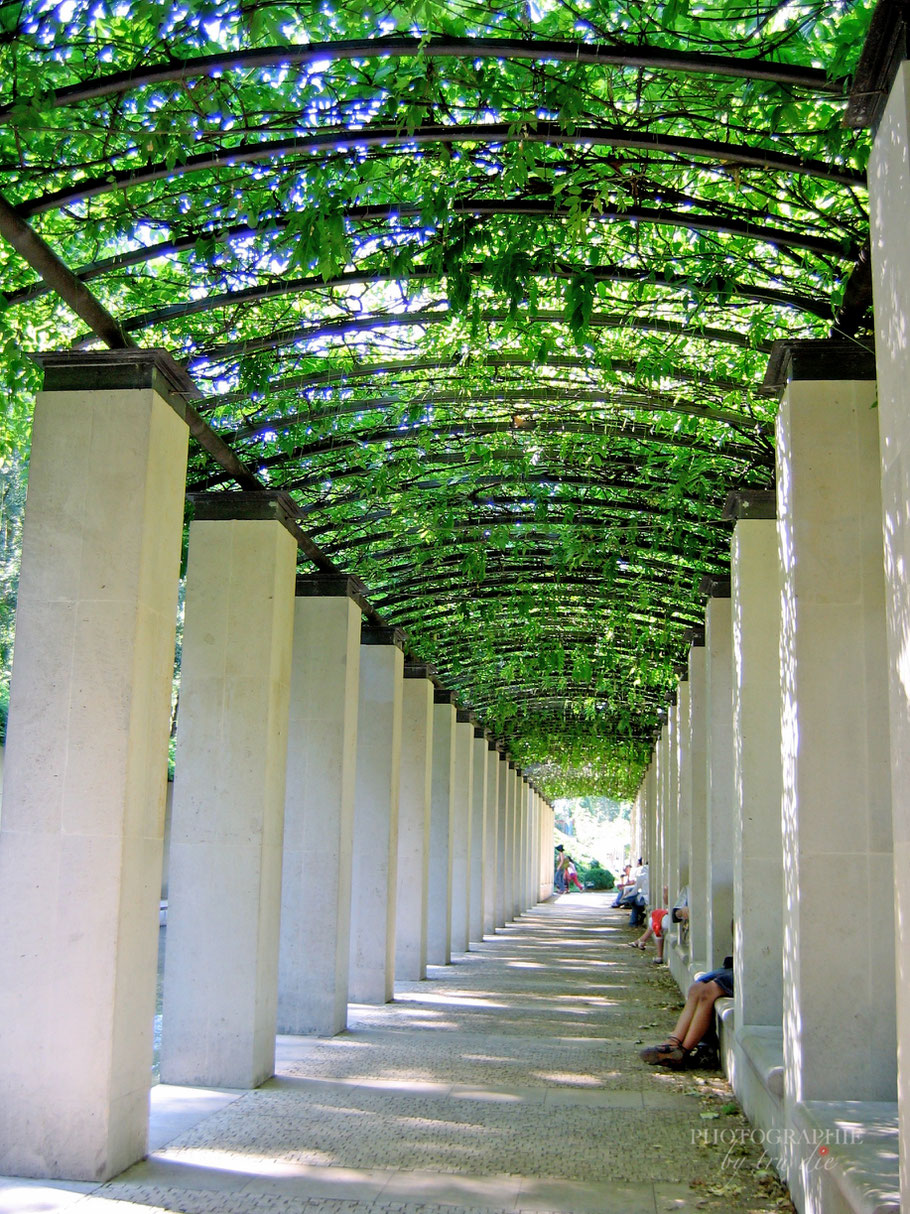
[657, 928]
[636, 897]
[623, 884]
[694, 1020]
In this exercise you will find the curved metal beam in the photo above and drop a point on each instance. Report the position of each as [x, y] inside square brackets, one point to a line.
[750, 224]
[356, 372]
[396, 46]
[391, 137]
[418, 319]
[282, 287]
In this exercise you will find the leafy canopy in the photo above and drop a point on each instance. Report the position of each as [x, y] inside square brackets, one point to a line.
[489, 289]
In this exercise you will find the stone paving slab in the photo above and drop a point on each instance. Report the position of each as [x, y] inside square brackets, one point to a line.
[508, 1082]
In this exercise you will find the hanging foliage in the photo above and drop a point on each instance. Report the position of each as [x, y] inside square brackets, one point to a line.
[488, 289]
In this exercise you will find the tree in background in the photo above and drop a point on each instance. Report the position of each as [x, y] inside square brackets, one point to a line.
[594, 829]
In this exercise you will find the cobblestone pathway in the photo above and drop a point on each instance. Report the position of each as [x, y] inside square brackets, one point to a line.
[508, 1081]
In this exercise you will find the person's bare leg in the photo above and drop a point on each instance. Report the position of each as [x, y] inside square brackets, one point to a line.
[694, 996]
[659, 941]
[700, 1008]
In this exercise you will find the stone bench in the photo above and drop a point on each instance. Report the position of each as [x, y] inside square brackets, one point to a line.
[858, 1170]
[763, 1046]
[861, 1163]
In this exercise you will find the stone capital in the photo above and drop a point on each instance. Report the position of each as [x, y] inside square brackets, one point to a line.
[419, 670]
[232, 506]
[106, 370]
[751, 504]
[816, 360]
[330, 585]
[715, 587]
[376, 634]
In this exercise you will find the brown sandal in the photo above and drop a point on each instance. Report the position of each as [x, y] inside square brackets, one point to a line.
[671, 1054]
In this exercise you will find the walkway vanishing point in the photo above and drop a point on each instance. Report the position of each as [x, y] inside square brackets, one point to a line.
[508, 1081]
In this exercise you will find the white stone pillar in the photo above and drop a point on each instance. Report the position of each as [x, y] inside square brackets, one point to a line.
[532, 837]
[530, 885]
[698, 826]
[462, 795]
[684, 828]
[662, 890]
[502, 839]
[758, 860]
[656, 866]
[544, 844]
[224, 888]
[414, 823]
[516, 843]
[653, 798]
[508, 871]
[834, 729]
[889, 188]
[491, 835]
[314, 960]
[439, 895]
[528, 896]
[719, 769]
[478, 856]
[86, 763]
[374, 850]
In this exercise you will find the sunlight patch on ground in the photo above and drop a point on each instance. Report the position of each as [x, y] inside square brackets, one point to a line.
[572, 1077]
[233, 1162]
[451, 1000]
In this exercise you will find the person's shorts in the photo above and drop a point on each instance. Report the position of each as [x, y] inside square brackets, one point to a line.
[723, 978]
[657, 919]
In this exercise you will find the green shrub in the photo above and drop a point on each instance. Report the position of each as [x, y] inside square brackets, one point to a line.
[593, 876]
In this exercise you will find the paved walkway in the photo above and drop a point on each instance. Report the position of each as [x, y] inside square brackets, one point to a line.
[508, 1081]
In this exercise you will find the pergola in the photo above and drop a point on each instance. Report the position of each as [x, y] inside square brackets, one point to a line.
[488, 290]
[542, 438]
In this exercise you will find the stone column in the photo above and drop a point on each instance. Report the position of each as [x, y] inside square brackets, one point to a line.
[698, 836]
[414, 823]
[662, 890]
[656, 866]
[502, 839]
[527, 898]
[517, 906]
[758, 885]
[374, 851]
[319, 808]
[439, 894]
[834, 728]
[508, 911]
[889, 187]
[550, 833]
[491, 836]
[653, 797]
[478, 856]
[719, 769]
[531, 848]
[462, 796]
[684, 829]
[86, 763]
[224, 888]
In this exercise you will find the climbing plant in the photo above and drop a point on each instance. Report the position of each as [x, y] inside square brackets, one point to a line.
[488, 289]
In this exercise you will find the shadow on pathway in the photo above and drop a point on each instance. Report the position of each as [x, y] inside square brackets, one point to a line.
[508, 1081]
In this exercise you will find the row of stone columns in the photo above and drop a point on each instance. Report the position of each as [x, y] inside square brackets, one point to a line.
[337, 823]
[788, 810]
